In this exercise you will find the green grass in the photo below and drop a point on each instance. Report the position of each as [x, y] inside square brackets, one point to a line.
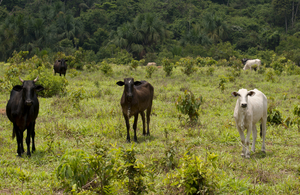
[98, 119]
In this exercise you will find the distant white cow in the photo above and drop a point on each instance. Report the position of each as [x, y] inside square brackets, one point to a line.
[251, 107]
[249, 63]
[151, 64]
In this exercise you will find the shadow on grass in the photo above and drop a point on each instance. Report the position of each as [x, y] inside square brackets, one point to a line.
[261, 155]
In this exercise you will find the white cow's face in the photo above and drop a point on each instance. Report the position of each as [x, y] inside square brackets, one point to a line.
[242, 95]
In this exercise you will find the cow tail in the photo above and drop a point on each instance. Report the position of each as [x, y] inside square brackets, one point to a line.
[260, 130]
[13, 134]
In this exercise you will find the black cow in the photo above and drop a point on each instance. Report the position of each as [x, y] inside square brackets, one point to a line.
[137, 97]
[22, 110]
[60, 67]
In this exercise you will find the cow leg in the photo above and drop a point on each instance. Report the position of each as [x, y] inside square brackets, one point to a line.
[254, 135]
[143, 118]
[136, 116]
[264, 130]
[19, 134]
[249, 129]
[33, 135]
[29, 131]
[127, 126]
[241, 132]
[59, 74]
[148, 119]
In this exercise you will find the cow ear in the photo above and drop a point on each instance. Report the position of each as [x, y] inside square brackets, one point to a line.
[251, 93]
[39, 88]
[234, 94]
[137, 83]
[17, 88]
[66, 60]
[120, 83]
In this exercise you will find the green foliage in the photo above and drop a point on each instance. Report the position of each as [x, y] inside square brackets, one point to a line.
[54, 85]
[132, 172]
[222, 82]
[270, 75]
[167, 66]
[278, 64]
[134, 64]
[75, 96]
[274, 115]
[74, 170]
[106, 68]
[188, 65]
[150, 70]
[194, 175]
[189, 105]
[102, 165]
[296, 112]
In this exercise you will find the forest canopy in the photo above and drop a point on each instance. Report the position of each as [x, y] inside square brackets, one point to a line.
[150, 29]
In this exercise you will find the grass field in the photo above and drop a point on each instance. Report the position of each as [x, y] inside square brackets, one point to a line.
[97, 120]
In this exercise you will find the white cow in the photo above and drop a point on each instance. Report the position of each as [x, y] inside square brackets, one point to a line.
[249, 63]
[151, 64]
[251, 107]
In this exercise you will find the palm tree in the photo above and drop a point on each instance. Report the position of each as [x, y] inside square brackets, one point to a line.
[215, 28]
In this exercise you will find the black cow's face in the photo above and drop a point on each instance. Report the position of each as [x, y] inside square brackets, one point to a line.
[28, 90]
[244, 60]
[63, 63]
[129, 86]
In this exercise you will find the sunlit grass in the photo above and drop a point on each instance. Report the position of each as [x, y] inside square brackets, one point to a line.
[98, 119]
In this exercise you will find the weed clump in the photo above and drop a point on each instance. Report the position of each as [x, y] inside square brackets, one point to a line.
[189, 105]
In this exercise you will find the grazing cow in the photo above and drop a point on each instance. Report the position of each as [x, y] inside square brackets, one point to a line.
[137, 97]
[249, 63]
[60, 67]
[22, 110]
[251, 107]
[151, 64]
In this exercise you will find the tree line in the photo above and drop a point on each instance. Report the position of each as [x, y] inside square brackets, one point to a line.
[150, 29]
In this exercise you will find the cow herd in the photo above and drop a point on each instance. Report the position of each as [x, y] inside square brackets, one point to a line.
[23, 107]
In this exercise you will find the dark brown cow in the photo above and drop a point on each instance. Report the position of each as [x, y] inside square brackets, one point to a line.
[60, 67]
[22, 110]
[137, 97]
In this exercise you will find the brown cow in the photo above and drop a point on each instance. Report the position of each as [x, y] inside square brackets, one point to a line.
[137, 97]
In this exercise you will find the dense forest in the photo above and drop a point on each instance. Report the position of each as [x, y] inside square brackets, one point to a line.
[151, 29]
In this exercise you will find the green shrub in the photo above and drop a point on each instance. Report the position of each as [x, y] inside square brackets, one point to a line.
[75, 96]
[134, 64]
[296, 112]
[274, 115]
[54, 85]
[195, 176]
[106, 68]
[189, 105]
[167, 66]
[188, 65]
[132, 172]
[74, 170]
[222, 82]
[103, 166]
[270, 75]
[150, 70]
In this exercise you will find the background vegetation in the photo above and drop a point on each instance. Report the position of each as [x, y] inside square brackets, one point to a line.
[151, 29]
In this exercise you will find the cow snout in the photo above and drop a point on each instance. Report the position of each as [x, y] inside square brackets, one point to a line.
[129, 97]
[28, 102]
[244, 105]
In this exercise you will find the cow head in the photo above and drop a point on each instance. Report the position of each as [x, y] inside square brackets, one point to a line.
[28, 90]
[243, 96]
[244, 60]
[63, 64]
[129, 86]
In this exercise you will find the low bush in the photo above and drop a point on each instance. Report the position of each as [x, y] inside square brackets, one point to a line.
[194, 175]
[150, 70]
[188, 65]
[189, 105]
[167, 66]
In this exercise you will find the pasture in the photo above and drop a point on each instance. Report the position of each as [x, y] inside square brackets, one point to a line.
[96, 122]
